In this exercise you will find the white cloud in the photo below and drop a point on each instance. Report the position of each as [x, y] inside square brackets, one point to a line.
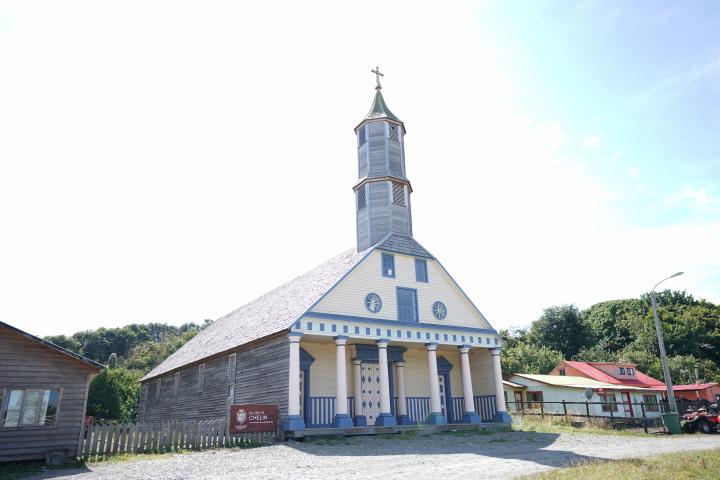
[591, 143]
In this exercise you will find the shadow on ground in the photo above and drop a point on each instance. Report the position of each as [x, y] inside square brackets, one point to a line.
[516, 446]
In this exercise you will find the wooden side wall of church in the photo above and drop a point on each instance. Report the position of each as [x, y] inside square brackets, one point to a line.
[27, 364]
[260, 377]
[376, 144]
[379, 203]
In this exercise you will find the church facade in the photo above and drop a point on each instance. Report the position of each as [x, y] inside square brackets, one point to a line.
[379, 335]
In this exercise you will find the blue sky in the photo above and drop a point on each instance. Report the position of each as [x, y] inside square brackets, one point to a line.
[156, 157]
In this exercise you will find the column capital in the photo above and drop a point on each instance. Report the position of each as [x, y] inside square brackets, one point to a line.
[294, 337]
[400, 364]
[382, 343]
[341, 340]
[356, 361]
[431, 347]
[495, 351]
[464, 349]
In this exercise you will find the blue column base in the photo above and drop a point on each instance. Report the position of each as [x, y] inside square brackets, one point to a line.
[472, 418]
[342, 420]
[385, 420]
[436, 419]
[293, 423]
[502, 417]
[404, 420]
[360, 421]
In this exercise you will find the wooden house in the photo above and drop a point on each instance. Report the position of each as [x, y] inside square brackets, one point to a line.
[43, 395]
[379, 335]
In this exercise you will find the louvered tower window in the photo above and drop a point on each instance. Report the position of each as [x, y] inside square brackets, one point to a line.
[394, 133]
[361, 136]
[361, 200]
[398, 191]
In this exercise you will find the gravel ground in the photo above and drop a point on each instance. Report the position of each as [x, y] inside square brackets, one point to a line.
[500, 455]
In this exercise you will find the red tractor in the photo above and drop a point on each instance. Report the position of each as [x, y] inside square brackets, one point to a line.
[703, 419]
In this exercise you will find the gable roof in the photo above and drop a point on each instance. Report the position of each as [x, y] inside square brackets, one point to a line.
[271, 313]
[573, 381]
[687, 388]
[403, 244]
[589, 369]
[52, 346]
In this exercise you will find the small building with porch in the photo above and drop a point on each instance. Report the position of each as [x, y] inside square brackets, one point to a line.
[43, 395]
[380, 335]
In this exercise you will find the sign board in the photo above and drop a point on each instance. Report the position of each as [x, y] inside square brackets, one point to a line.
[253, 418]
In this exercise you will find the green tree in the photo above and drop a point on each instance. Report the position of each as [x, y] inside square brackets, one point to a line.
[561, 328]
[113, 395]
[527, 358]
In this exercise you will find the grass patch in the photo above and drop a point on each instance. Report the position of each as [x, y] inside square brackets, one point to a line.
[703, 464]
[541, 424]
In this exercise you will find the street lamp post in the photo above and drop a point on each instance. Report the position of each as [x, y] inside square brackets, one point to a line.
[663, 355]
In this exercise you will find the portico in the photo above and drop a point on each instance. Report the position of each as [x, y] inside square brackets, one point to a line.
[358, 382]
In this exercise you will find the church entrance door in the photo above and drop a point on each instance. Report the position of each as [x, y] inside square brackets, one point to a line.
[370, 380]
[443, 407]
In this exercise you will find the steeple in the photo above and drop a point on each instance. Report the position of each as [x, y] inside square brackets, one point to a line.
[382, 192]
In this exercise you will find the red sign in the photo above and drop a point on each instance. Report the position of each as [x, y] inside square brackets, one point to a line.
[253, 418]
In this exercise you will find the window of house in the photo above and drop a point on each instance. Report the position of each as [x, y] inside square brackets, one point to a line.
[388, 265]
[562, 372]
[176, 387]
[608, 401]
[30, 407]
[232, 362]
[201, 377]
[651, 404]
[407, 304]
[398, 194]
[630, 371]
[361, 199]
[421, 273]
[534, 397]
[622, 371]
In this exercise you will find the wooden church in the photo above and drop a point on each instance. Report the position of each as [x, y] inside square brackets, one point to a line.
[379, 335]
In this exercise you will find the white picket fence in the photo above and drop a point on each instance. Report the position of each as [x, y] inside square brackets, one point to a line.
[171, 436]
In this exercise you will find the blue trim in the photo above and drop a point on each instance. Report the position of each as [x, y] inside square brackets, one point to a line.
[293, 423]
[340, 337]
[306, 360]
[342, 420]
[404, 420]
[444, 367]
[385, 420]
[502, 417]
[360, 421]
[471, 418]
[415, 296]
[383, 321]
[436, 418]
[295, 334]
[369, 353]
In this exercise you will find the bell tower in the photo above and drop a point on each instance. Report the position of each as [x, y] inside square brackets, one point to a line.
[382, 192]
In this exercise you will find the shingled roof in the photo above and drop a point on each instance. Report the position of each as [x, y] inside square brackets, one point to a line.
[273, 312]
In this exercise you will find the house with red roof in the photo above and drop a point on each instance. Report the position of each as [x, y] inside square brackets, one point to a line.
[695, 391]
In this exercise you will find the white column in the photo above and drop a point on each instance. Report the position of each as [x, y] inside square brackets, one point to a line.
[294, 421]
[340, 377]
[499, 396]
[386, 417]
[467, 379]
[402, 403]
[433, 378]
[357, 388]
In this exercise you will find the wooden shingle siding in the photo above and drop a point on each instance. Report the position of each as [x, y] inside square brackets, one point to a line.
[400, 219]
[261, 376]
[362, 160]
[396, 164]
[379, 204]
[376, 142]
[481, 369]
[28, 364]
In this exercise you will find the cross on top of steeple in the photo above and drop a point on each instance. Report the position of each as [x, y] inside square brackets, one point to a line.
[377, 77]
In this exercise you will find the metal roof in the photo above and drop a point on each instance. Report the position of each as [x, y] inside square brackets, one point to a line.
[380, 110]
[574, 382]
[271, 313]
[65, 351]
